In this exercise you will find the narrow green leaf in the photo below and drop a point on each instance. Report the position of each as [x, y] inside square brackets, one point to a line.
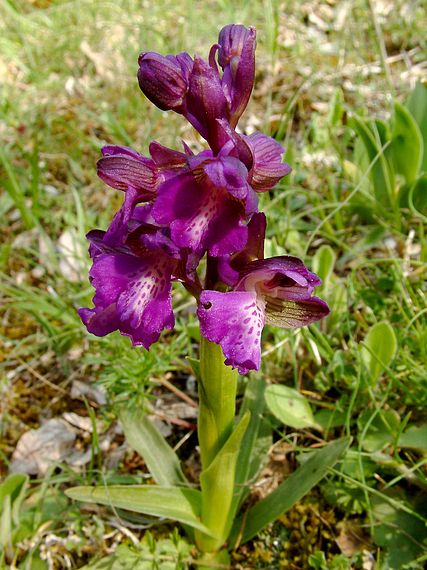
[417, 105]
[13, 490]
[323, 264]
[195, 366]
[256, 441]
[291, 490]
[289, 406]
[176, 503]
[374, 136]
[379, 348]
[406, 148]
[143, 436]
[217, 483]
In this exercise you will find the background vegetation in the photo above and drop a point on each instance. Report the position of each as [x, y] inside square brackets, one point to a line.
[333, 85]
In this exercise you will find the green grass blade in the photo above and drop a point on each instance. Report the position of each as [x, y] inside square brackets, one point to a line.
[175, 503]
[291, 490]
[145, 438]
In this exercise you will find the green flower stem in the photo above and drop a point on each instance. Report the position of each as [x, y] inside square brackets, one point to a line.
[217, 401]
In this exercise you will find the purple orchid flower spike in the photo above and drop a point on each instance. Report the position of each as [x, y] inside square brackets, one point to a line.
[274, 291]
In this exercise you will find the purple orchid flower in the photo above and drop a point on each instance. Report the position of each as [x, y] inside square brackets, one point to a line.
[132, 278]
[274, 291]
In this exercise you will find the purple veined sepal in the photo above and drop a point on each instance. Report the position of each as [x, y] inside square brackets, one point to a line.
[267, 168]
[121, 167]
[275, 291]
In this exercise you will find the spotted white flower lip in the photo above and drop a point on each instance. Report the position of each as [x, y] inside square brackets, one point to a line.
[274, 291]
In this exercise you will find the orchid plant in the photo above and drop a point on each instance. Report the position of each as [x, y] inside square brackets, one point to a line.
[180, 208]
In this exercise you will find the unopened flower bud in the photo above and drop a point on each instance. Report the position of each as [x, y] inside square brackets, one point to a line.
[164, 79]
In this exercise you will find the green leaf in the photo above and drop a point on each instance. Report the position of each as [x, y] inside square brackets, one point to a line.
[414, 437]
[400, 535]
[290, 491]
[289, 406]
[14, 487]
[145, 438]
[175, 503]
[336, 109]
[12, 493]
[418, 197]
[195, 366]
[256, 441]
[380, 346]
[417, 105]
[323, 264]
[217, 483]
[406, 148]
[374, 136]
[381, 431]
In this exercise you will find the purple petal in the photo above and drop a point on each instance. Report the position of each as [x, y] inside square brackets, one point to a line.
[235, 321]
[200, 216]
[227, 231]
[102, 321]
[236, 145]
[284, 277]
[229, 267]
[294, 314]
[140, 291]
[229, 174]
[118, 229]
[268, 167]
[167, 159]
[114, 150]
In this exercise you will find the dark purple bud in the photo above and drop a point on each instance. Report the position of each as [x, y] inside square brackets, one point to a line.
[164, 79]
[236, 56]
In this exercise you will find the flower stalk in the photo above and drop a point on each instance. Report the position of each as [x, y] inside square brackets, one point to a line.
[219, 442]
